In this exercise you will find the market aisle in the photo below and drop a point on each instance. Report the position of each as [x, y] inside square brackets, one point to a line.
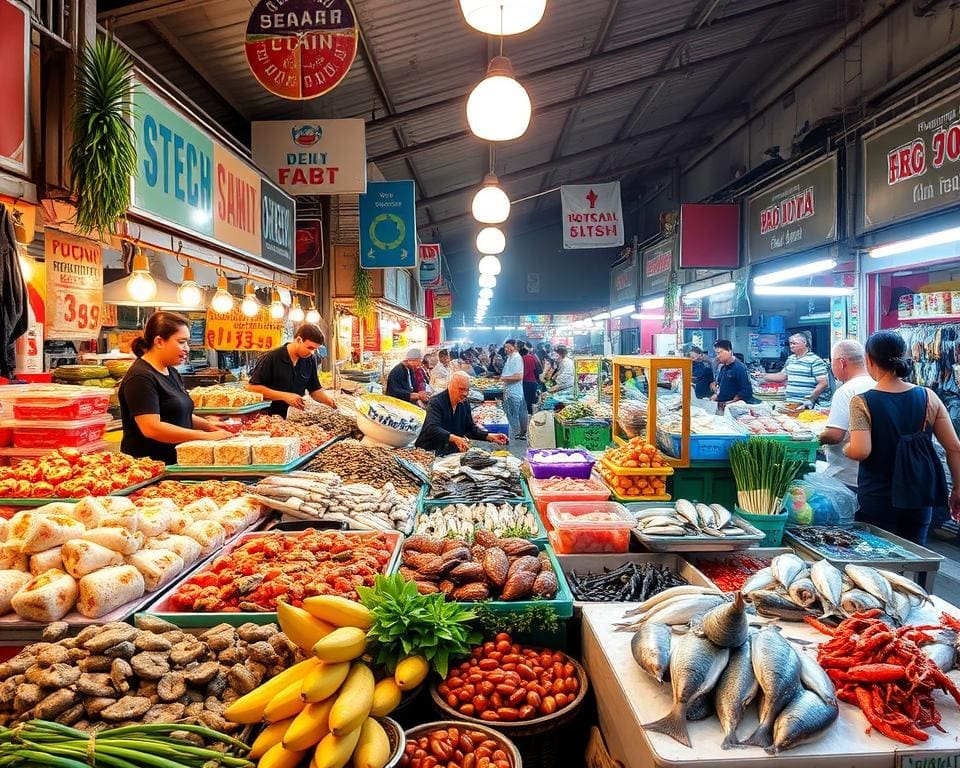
[947, 584]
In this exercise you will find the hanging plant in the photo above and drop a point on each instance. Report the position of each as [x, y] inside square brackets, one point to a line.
[103, 156]
[671, 300]
[362, 288]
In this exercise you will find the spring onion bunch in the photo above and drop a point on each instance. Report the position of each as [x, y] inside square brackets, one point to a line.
[763, 473]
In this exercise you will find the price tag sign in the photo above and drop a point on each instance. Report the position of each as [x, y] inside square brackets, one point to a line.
[74, 269]
[928, 759]
[235, 332]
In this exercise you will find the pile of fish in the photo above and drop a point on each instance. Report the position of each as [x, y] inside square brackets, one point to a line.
[685, 518]
[719, 666]
[628, 583]
[324, 496]
[791, 589]
[461, 520]
[476, 476]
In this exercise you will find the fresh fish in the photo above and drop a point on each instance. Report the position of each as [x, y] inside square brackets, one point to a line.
[870, 580]
[706, 515]
[803, 592]
[723, 514]
[688, 512]
[726, 625]
[901, 607]
[735, 690]
[778, 606]
[828, 580]
[695, 666]
[855, 600]
[655, 512]
[656, 521]
[664, 530]
[901, 583]
[678, 611]
[650, 647]
[942, 654]
[786, 568]
[804, 718]
[815, 680]
[701, 708]
[777, 668]
[762, 579]
[669, 594]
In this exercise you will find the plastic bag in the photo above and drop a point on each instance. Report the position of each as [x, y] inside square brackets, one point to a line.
[819, 500]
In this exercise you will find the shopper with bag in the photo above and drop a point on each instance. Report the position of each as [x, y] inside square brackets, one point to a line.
[891, 434]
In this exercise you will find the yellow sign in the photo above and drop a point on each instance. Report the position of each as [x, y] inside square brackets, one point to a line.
[235, 332]
[74, 269]
[443, 305]
[588, 365]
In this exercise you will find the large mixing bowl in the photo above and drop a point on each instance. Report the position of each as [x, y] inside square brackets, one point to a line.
[381, 433]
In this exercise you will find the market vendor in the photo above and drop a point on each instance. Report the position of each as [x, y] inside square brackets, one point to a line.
[564, 375]
[156, 411]
[287, 372]
[449, 426]
[849, 367]
[402, 383]
[733, 379]
[804, 372]
[440, 375]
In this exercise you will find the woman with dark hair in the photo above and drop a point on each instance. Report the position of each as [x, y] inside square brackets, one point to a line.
[900, 478]
[156, 411]
[531, 376]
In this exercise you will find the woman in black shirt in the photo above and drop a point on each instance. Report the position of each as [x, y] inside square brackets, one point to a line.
[156, 411]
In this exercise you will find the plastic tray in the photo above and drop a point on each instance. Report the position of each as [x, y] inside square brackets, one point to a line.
[62, 406]
[572, 537]
[241, 470]
[424, 503]
[539, 538]
[59, 434]
[578, 469]
[495, 428]
[238, 411]
[751, 538]
[13, 502]
[636, 471]
[542, 498]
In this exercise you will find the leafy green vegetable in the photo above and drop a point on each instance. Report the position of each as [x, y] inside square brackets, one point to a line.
[406, 622]
[762, 473]
[362, 291]
[540, 618]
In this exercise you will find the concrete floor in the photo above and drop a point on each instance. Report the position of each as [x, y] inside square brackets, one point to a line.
[947, 584]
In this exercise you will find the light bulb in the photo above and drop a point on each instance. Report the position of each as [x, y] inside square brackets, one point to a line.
[503, 17]
[222, 301]
[488, 281]
[498, 108]
[313, 316]
[296, 312]
[250, 307]
[490, 265]
[491, 204]
[141, 285]
[277, 310]
[486, 293]
[26, 267]
[189, 293]
[491, 241]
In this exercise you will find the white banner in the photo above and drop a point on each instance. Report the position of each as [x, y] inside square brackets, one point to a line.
[592, 215]
[430, 266]
[312, 157]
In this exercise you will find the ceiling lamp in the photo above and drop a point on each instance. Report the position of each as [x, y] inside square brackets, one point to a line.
[498, 108]
[491, 241]
[189, 293]
[277, 310]
[141, 285]
[250, 306]
[486, 293]
[491, 204]
[296, 311]
[483, 303]
[712, 290]
[490, 265]
[222, 301]
[488, 281]
[503, 17]
[313, 316]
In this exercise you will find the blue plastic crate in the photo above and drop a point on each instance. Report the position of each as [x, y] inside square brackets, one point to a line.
[496, 429]
[706, 447]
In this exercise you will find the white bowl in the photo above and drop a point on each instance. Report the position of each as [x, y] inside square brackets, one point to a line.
[395, 438]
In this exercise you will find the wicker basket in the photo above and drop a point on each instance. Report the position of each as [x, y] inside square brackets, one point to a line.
[516, 761]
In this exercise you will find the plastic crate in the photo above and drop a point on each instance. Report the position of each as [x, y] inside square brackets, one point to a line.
[496, 429]
[805, 450]
[579, 465]
[59, 434]
[593, 489]
[575, 532]
[706, 481]
[593, 437]
[703, 447]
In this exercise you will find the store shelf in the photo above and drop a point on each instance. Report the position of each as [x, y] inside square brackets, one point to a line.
[930, 319]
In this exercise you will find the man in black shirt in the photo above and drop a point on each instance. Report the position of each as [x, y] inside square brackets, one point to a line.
[401, 382]
[284, 374]
[449, 426]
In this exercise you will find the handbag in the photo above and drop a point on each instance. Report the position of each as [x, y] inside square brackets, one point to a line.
[918, 476]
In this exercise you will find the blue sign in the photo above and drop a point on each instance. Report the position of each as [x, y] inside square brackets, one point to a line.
[388, 225]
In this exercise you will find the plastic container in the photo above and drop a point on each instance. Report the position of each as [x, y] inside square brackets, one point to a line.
[496, 429]
[584, 528]
[6, 433]
[16, 455]
[706, 481]
[593, 437]
[805, 450]
[576, 464]
[62, 406]
[59, 434]
[592, 489]
[772, 526]
[706, 447]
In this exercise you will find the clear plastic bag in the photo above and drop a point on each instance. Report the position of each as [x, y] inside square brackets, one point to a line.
[819, 500]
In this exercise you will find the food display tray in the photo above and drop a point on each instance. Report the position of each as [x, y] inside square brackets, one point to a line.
[636, 471]
[43, 502]
[697, 543]
[539, 538]
[162, 607]
[576, 470]
[239, 411]
[424, 503]
[243, 470]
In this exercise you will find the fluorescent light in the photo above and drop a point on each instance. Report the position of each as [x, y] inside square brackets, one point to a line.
[621, 311]
[601, 316]
[937, 238]
[782, 275]
[486, 293]
[711, 291]
[484, 328]
[653, 303]
[503, 327]
[645, 316]
[801, 290]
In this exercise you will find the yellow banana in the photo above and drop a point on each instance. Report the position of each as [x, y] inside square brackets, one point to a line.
[311, 725]
[302, 628]
[386, 697]
[323, 681]
[272, 734]
[339, 611]
[353, 702]
[278, 757]
[410, 672]
[335, 751]
[343, 644]
[249, 707]
[285, 704]
[373, 748]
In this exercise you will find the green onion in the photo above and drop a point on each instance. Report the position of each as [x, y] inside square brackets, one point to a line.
[762, 473]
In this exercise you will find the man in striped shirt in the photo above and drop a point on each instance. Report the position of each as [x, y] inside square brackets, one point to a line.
[804, 372]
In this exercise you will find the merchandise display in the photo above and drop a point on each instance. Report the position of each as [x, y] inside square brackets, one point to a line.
[462, 520]
[476, 476]
[66, 473]
[221, 396]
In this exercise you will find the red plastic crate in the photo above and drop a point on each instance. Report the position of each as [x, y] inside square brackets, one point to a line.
[62, 407]
[57, 434]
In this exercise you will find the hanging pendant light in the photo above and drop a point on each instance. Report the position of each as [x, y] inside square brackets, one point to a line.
[296, 311]
[491, 241]
[222, 301]
[313, 316]
[491, 204]
[277, 310]
[498, 108]
[489, 265]
[488, 281]
[503, 17]
[141, 285]
[189, 293]
[250, 307]
[486, 293]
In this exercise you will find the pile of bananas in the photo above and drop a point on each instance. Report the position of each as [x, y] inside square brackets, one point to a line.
[328, 703]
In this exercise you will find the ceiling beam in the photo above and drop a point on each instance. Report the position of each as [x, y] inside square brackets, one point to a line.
[145, 10]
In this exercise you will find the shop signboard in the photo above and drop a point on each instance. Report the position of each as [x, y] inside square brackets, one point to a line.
[390, 289]
[624, 282]
[15, 65]
[443, 305]
[235, 332]
[301, 49]
[312, 157]
[736, 303]
[691, 310]
[388, 225]
[592, 215]
[186, 180]
[74, 268]
[430, 266]
[912, 167]
[536, 319]
[403, 289]
[796, 214]
[658, 261]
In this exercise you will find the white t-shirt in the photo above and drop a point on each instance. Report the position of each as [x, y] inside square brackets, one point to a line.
[565, 374]
[440, 378]
[842, 468]
[513, 366]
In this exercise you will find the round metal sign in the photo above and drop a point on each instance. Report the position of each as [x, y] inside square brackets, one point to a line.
[301, 49]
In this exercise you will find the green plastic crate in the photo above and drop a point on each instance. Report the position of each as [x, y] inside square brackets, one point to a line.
[593, 437]
[708, 481]
[805, 450]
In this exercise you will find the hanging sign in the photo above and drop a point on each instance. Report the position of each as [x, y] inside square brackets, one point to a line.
[795, 215]
[691, 310]
[592, 215]
[430, 275]
[15, 65]
[74, 269]
[657, 261]
[388, 225]
[735, 303]
[277, 231]
[624, 282]
[312, 157]
[913, 166]
[301, 49]
[442, 304]
[235, 332]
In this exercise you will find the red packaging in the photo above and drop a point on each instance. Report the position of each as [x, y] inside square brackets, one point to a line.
[59, 434]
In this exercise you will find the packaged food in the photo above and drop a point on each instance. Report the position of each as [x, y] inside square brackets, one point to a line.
[905, 306]
[58, 405]
[59, 434]
[275, 450]
[581, 527]
[231, 453]
[195, 453]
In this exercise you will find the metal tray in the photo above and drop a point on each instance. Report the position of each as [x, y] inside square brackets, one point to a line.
[423, 502]
[244, 470]
[43, 502]
[751, 538]
[244, 409]
[163, 609]
[540, 537]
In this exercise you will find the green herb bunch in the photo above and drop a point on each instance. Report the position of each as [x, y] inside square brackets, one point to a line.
[406, 622]
[540, 618]
[362, 290]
